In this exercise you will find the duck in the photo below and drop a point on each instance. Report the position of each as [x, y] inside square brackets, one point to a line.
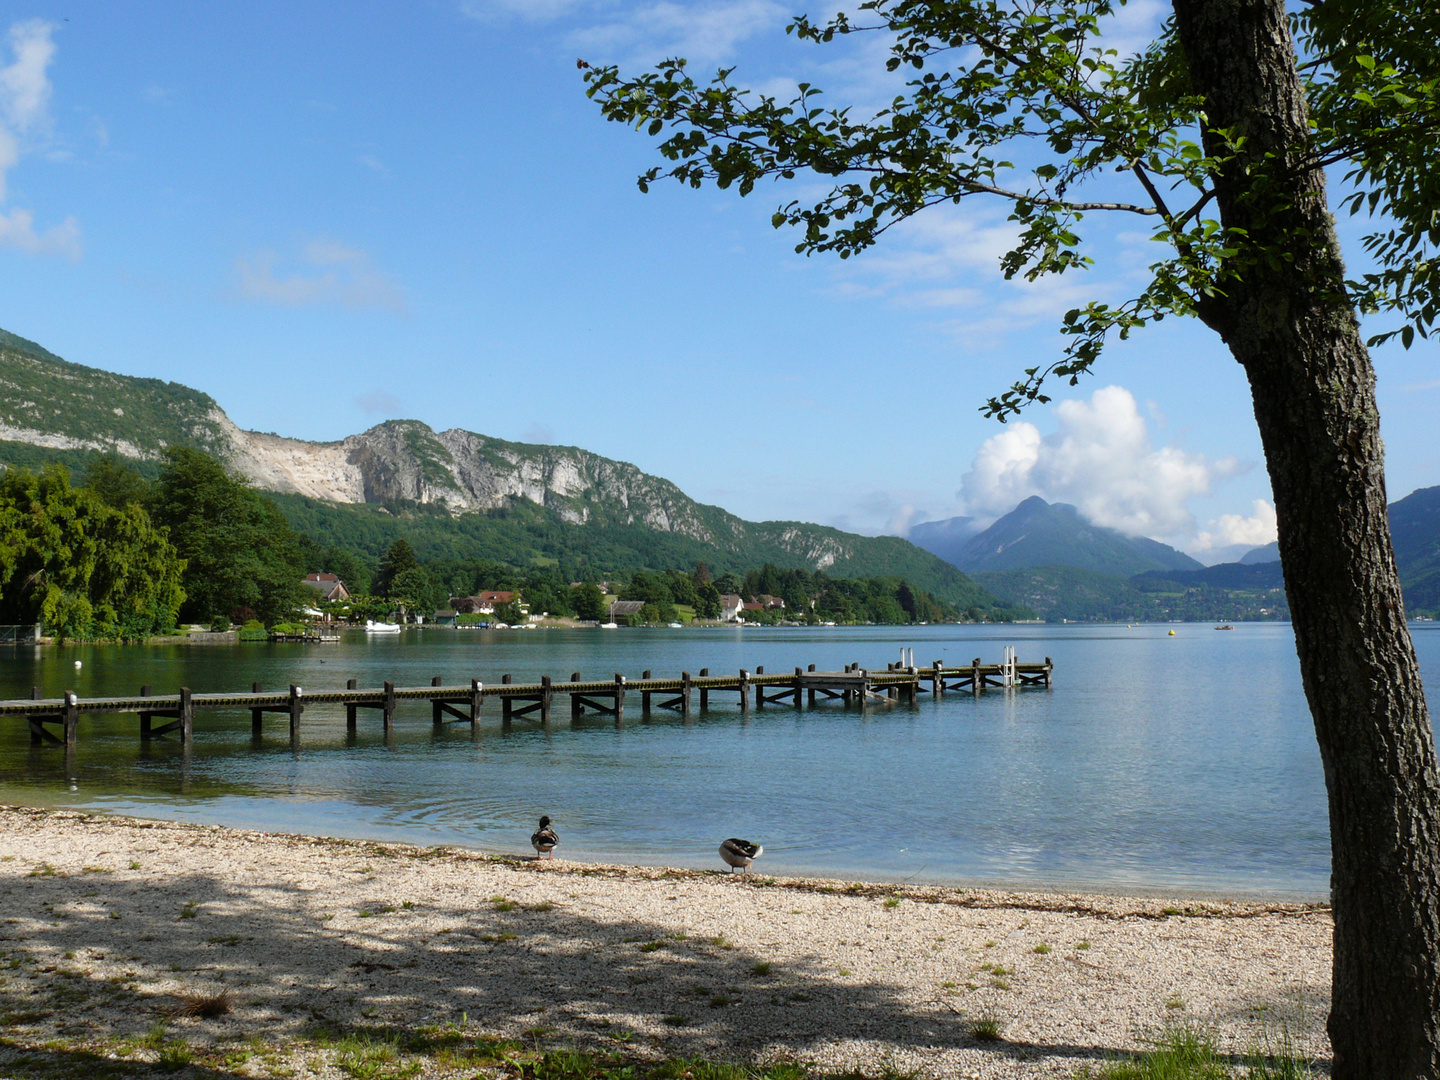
[740, 853]
[545, 838]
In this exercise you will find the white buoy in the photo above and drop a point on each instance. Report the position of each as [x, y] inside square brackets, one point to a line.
[77, 665]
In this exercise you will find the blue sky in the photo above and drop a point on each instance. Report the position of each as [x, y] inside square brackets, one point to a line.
[327, 215]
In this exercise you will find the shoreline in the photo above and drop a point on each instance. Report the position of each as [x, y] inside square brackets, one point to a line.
[112, 920]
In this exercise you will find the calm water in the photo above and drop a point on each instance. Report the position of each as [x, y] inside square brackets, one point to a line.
[1155, 763]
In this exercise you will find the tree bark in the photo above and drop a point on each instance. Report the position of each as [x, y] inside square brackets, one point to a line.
[1285, 318]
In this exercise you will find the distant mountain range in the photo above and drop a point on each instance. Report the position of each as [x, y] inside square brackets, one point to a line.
[451, 492]
[1049, 558]
[1037, 533]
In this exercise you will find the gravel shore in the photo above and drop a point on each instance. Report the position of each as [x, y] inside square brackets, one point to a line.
[109, 923]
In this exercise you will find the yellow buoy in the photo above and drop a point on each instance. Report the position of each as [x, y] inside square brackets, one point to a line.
[1172, 633]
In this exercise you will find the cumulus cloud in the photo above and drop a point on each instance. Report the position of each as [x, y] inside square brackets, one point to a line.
[1101, 460]
[703, 32]
[324, 272]
[17, 230]
[24, 117]
[1237, 530]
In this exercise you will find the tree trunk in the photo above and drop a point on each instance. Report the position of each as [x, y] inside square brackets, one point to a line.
[1285, 318]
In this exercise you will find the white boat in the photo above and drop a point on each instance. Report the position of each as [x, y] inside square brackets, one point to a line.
[609, 626]
[676, 626]
[372, 627]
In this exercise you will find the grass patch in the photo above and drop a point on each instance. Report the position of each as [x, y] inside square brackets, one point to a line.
[44, 870]
[1189, 1053]
[761, 967]
[174, 1055]
[652, 946]
[1042, 948]
[491, 939]
[190, 910]
[678, 1020]
[892, 901]
[986, 1028]
[503, 904]
[1082, 945]
[207, 1005]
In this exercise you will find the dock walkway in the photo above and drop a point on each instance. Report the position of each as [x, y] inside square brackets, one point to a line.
[462, 703]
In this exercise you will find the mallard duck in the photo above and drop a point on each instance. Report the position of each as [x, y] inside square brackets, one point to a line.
[545, 838]
[740, 853]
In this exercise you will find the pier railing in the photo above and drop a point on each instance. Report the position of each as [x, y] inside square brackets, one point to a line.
[462, 703]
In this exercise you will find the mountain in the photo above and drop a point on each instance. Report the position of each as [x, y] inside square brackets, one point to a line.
[944, 539]
[1036, 533]
[1231, 575]
[1415, 531]
[458, 490]
[1065, 593]
[1269, 553]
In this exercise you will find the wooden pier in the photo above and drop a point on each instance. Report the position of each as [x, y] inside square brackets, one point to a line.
[462, 703]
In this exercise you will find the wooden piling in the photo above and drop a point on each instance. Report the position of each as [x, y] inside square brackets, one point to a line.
[977, 680]
[37, 726]
[799, 678]
[477, 695]
[619, 699]
[437, 710]
[257, 716]
[937, 678]
[744, 690]
[645, 695]
[388, 709]
[704, 690]
[575, 707]
[71, 717]
[507, 707]
[145, 717]
[760, 690]
[187, 717]
[685, 694]
[547, 694]
[812, 689]
[296, 708]
[350, 710]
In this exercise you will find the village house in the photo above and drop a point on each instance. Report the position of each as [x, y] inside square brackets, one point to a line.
[623, 609]
[328, 586]
[770, 603]
[443, 617]
[485, 603]
[730, 608]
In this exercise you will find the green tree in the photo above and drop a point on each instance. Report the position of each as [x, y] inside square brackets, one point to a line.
[83, 568]
[588, 601]
[116, 483]
[238, 549]
[1211, 129]
[399, 557]
[707, 601]
[415, 590]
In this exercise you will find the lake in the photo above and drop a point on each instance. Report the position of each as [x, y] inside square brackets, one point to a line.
[1155, 763]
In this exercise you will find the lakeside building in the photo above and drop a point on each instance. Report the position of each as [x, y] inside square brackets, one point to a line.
[328, 586]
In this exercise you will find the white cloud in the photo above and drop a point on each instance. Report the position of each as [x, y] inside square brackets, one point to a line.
[17, 230]
[1100, 459]
[24, 113]
[1232, 530]
[704, 32]
[325, 272]
[531, 10]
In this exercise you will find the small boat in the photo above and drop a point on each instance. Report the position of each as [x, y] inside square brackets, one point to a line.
[676, 625]
[1227, 626]
[609, 626]
[372, 627]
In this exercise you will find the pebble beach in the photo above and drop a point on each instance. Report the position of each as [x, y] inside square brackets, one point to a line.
[114, 929]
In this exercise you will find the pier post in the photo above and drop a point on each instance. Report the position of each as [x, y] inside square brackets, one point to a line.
[506, 705]
[71, 717]
[37, 727]
[914, 690]
[257, 716]
[864, 690]
[619, 699]
[437, 714]
[645, 694]
[388, 709]
[685, 694]
[759, 689]
[744, 690]
[977, 681]
[1049, 669]
[704, 690]
[575, 707]
[812, 690]
[350, 710]
[145, 717]
[546, 696]
[799, 675]
[187, 717]
[296, 708]
[937, 680]
[477, 695]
